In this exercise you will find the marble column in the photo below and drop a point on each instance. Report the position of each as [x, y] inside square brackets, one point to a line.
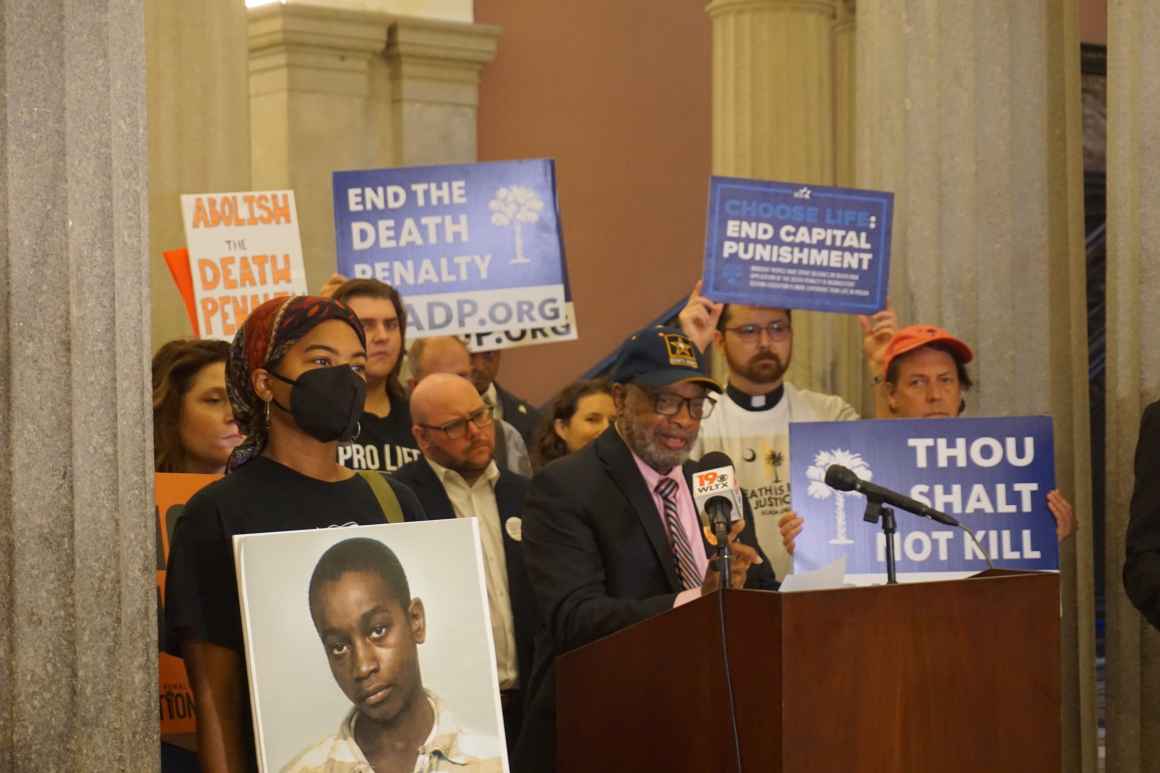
[335, 88]
[199, 127]
[852, 379]
[1133, 364]
[970, 113]
[78, 646]
[845, 92]
[773, 118]
[435, 68]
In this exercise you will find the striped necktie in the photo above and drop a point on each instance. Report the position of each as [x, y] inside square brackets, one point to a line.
[682, 554]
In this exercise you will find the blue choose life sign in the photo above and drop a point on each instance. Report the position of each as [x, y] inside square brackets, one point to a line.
[471, 247]
[789, 245]
[991, 474]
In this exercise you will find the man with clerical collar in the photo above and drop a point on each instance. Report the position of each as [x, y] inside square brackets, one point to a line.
[751, 420]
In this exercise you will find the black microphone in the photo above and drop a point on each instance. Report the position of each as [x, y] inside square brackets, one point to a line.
[844, 479]
[715, 490]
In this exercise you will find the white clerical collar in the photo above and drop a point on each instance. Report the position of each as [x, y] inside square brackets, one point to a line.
[763, 402]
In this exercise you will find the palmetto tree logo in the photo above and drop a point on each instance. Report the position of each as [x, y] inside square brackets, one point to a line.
[819, 490]
[775, 459]
[513, 206]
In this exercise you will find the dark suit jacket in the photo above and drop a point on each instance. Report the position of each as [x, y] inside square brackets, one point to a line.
[1142, 568]
[510, 491]
[518, 413]
[599, 560]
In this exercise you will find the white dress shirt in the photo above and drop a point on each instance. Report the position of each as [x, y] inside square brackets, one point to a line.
[478, 501]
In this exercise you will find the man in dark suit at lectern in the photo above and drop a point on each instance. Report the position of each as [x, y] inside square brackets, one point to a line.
[611, 533]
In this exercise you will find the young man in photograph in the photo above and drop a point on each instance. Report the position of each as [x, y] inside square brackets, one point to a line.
[371, 629]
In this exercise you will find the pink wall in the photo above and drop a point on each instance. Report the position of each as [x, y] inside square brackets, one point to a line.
[1093, 21]
[618, 93]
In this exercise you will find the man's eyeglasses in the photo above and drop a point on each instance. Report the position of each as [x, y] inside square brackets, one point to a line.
[458, 428]
[778, 331]
[669, 404]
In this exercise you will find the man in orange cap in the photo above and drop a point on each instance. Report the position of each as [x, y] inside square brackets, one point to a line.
[925, 373]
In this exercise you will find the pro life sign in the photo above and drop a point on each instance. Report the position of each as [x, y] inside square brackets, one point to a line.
[992, 474]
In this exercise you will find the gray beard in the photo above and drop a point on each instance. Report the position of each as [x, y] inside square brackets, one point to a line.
[660, 459]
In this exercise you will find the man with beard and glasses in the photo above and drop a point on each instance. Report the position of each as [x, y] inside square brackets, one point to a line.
[751, 421]
[611, 534]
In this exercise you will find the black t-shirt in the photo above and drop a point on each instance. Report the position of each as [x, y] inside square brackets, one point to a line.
[201, 590]
[383, 443]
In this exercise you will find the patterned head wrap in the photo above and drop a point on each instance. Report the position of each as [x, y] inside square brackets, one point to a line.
[264, 339]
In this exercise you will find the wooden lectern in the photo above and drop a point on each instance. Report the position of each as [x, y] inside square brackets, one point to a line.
[941, 677]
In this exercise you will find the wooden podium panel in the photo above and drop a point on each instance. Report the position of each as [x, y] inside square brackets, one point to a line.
[652, 697]
[954, 677]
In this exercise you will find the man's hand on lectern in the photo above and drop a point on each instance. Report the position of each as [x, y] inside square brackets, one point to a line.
[742, 557]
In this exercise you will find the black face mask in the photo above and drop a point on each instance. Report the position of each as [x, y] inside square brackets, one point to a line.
[326, 402]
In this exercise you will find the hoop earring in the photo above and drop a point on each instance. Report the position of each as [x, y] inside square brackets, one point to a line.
[357, 429]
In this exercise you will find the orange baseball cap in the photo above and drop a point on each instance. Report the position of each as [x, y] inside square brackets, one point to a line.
[917, 336]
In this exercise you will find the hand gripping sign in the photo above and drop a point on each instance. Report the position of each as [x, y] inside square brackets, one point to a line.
[472, 248]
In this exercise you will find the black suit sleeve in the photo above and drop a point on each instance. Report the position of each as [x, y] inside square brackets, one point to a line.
[1142, 568]
[760, 576]
[566, 566]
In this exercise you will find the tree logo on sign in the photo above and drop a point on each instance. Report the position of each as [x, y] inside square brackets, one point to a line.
[819, 490]
[513, 206]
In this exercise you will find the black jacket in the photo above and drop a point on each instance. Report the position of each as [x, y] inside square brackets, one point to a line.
[518, 413]
[1142, 567]
[599, 560]
[510, 491]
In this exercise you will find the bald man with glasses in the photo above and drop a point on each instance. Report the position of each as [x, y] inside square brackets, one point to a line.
[457, 477]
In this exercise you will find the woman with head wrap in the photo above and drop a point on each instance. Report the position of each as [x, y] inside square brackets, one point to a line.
[295, 383]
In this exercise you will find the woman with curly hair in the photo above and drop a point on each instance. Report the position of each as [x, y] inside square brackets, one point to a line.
[295, 382]
[576, 417]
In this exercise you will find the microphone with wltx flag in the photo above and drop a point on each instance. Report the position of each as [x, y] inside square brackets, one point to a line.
[718, 501]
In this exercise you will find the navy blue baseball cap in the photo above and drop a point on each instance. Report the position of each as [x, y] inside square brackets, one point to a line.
[659, 356]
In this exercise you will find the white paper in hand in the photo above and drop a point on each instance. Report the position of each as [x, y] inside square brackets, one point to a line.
[832, 575]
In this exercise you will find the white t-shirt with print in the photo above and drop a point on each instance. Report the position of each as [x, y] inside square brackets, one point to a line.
[758, 443]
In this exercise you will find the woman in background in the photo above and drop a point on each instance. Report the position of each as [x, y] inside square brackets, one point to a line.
[193, 424]
[576, 417]
[384, 441]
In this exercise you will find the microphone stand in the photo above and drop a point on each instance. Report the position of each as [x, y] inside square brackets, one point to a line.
[875, 510]
[724, 557]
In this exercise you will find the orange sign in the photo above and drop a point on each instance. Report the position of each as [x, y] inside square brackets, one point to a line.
[171, 492]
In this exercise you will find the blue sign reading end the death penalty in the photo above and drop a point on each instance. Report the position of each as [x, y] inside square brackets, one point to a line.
[471, 247]
[787, 245]
[991, 474]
